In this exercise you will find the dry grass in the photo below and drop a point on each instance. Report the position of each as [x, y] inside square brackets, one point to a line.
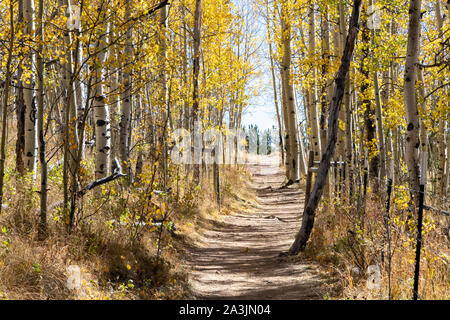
[343, 240]
[111, 266]
[235, 196]
[117, 261]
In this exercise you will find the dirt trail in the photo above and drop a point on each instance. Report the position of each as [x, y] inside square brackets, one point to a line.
[223, 268]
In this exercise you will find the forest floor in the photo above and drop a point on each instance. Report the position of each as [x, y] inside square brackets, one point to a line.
[238, 255]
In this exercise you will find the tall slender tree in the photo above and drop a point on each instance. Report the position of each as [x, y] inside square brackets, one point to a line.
[412, 118]
[339, 88]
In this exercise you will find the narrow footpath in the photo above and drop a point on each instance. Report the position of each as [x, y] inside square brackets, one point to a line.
[238, 258]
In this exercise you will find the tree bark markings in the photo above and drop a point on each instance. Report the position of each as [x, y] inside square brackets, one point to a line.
[412, 119]
[310, 209]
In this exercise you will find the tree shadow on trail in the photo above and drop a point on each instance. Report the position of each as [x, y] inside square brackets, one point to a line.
[239, 257]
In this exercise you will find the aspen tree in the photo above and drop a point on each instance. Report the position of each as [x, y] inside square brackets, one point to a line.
[115, 94]
[186, 82]
[28, 86]
[348, 138]
[5, 101]
[385, 93]
[40, 120]
[287, 141]
[412, 119]
[314, 119]
[291, 158]
[423, 110]
[100, 109]
[442, 120]
[126, 98]
[163, 102]
[378, 108]
[301, 158]
[195, 72]
[20, 108]
[79, 86]
[70, 112]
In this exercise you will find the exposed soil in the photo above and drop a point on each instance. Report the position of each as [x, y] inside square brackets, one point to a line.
[239, 257]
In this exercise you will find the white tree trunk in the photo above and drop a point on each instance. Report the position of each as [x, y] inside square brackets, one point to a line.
[291, 126]
[28, 92]
[284, 115]
[101, 114]
[79, 97]
[40, 124]
[442, 119]
[379, 115]
[412, 119]
[314, 119]
[116, 98]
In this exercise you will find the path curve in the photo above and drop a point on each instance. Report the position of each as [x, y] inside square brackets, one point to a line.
[223, 268]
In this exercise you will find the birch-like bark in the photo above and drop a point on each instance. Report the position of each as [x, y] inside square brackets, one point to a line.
[423, 128]
[348, 138]
[115, 95]
[315, 135]
[284, 115]
[6, 89]
[28, 92]
[40, 125]
[412, 119]
[301, 146]
[385, 93]
[291, 126]
[301, 157]
[196, 71]
[101, 111]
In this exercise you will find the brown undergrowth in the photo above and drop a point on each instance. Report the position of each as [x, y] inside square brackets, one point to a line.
[352, 240]
[118, 245]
